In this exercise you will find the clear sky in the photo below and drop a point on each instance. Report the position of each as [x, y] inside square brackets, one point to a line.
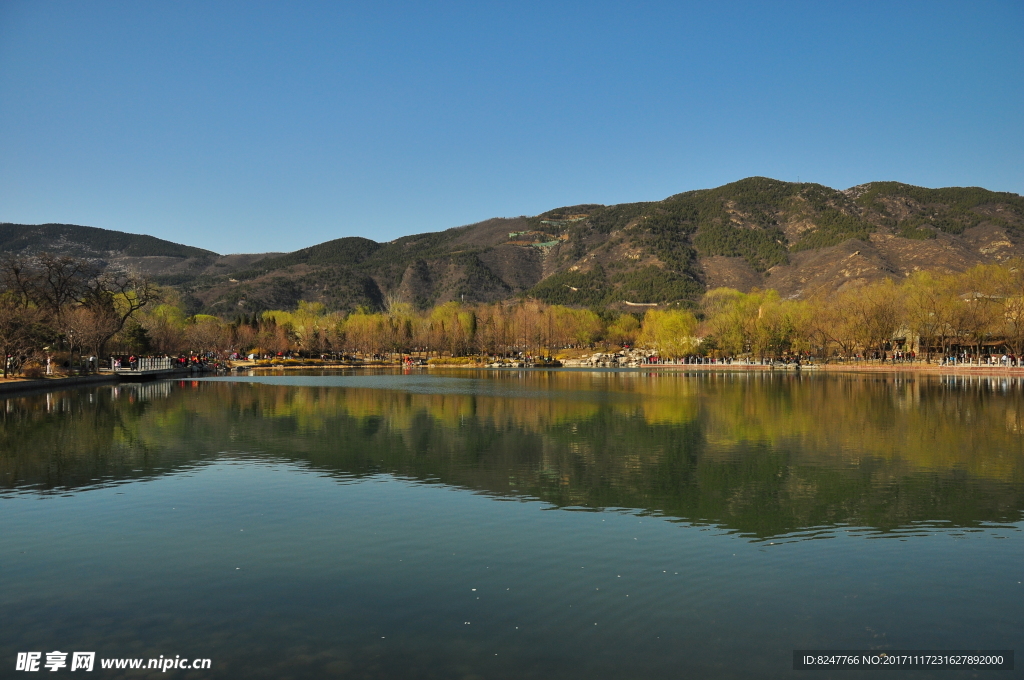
[246, 127]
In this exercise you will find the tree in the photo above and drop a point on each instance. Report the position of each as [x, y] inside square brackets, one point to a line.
[1009, 286]
[984, 312]
[530, 326]
[730, 318]
[83, 303]
[363, 332]
[929, 301]
[205, 332]
[53, 283]
[587, 327]
[451, 327]
[774, 327]
[815, 322]
[673, 333]
[623, 331]
[165, 326]
[876, 312]
[22, 329]
[838, 320]
[115, 297]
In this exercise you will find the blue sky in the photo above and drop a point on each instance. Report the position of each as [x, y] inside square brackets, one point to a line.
[247, 127]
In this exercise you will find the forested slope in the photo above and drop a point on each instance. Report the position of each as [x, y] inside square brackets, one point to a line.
[758, 232]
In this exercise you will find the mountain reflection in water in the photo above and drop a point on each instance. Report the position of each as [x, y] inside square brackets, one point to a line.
[760, 454]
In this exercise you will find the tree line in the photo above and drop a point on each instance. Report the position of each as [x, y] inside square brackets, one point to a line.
[929, 313]
[52, 304]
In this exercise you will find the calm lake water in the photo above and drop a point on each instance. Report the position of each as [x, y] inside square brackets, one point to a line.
[513, 524]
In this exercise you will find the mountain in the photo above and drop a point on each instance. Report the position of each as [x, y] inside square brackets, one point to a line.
[166, 262]
[758, 232]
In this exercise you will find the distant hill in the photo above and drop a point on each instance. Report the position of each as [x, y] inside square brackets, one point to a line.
[28, 238]
[757, 232]
[165, 262]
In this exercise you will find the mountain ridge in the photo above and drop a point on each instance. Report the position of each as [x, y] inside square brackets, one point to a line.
[757, 232]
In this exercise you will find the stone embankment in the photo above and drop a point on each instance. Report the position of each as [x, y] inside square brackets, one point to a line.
[638, 358]
[16, 386]
[627, 358]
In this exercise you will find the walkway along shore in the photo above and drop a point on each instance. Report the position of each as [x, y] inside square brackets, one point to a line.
[915, 367]
[50, 384]
[47, 384]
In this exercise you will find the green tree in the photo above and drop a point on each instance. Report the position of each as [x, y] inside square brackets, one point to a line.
[672, 333]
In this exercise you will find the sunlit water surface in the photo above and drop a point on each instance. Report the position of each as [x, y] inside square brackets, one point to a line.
[521, 524]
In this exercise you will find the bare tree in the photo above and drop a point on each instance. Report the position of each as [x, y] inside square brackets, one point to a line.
[112, 298]
[1010, 286]
[21, 329]
[206, 333]
[86, 305]
[51, 282]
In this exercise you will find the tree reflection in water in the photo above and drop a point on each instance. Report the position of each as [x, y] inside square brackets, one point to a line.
[760, 454]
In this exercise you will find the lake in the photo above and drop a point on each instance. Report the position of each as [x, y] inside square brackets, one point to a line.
[513, 524]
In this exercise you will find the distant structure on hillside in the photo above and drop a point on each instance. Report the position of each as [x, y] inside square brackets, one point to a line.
[565, 220]
[537, 239]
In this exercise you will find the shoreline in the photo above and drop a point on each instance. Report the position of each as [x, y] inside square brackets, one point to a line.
[18, 386]
[917, 367]
[48, 384]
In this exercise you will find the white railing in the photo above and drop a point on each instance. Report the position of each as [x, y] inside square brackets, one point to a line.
[144, 364]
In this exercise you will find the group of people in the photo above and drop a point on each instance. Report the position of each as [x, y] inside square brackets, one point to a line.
[88, 364]
[135, 363]
[132, 361]
[983, 360]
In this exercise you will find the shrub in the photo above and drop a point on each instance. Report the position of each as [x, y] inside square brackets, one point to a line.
[454, 361]
[33, 369]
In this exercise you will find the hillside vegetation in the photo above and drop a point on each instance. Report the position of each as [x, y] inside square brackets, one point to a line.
[798, 238]
[27, 238]
[643, 253]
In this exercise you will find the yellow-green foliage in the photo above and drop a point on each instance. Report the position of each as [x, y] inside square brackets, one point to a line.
[623, 331]
[758, 322]
[672, 333]
[454, 361]
[984, 304]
